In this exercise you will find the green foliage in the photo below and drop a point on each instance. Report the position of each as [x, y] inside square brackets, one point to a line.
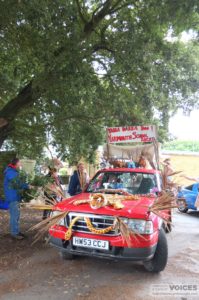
[36, 182]
[93, 64]
[18, 181]
[190, 146]
[63, 172]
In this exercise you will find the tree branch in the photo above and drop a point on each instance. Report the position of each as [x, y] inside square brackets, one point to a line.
[120, 7]
[80, 12]
[13, 107]
[97, 18]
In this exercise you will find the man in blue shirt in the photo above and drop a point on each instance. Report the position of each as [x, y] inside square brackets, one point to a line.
[12, 190]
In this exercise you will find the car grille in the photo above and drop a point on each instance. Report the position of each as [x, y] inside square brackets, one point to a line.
[98, 221]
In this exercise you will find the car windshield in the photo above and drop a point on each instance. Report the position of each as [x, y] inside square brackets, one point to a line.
[131, 182]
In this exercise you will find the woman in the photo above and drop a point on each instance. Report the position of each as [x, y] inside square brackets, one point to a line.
[78, 180]
[168, 169]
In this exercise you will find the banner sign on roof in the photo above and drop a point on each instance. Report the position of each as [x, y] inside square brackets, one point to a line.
[131, 134]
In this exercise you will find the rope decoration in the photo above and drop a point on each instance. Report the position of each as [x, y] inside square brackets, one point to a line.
[98, 231]
[90, 226]
[68, 234]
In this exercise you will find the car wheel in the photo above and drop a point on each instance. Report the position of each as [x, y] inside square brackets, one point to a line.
[182, 206]
[183, 210]
[66, 256]
[159, 261]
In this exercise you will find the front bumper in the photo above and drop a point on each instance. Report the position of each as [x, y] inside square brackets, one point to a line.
[115, 253]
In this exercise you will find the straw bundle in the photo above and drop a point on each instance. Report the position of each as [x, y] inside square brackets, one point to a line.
[54, 189]
[165, 201]
[43, 226]
[127, 233]
[124, 230]
[44, 199]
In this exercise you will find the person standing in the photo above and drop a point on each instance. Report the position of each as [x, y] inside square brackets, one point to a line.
[12, 190]
[56, 184]
[168, 169]
[78, 180]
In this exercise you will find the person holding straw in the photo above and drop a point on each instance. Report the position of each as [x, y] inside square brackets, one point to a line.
[13, 186]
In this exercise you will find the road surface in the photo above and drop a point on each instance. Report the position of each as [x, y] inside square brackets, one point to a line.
[38, 272]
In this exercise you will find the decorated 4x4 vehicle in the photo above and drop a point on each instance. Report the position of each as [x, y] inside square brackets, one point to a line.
[120, 215]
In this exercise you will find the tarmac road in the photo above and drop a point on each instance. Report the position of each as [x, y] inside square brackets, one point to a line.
[39, 273]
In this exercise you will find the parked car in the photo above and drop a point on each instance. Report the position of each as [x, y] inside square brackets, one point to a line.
[149, 246]
[187, 197]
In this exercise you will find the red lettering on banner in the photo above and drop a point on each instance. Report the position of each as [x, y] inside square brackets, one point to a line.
[140, 136]
[113, 129]
[144, 128]
[129, 128]
[114, 139]
[131, 134]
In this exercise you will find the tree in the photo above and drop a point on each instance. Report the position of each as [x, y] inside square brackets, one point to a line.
[69, 68]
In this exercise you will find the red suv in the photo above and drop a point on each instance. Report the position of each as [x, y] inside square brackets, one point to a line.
[149, 245]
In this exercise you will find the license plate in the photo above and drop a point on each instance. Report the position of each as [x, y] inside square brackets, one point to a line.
[90, 243]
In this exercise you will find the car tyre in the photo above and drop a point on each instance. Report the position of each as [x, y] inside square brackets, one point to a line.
[159, 261]
[183, 208]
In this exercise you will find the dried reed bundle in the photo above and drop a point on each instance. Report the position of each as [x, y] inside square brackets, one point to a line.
[41, 206]
[43, 226]
[126, 233]
[54, 189]
[124, 230]
[165, 201]
[44, 199]
[41, 202]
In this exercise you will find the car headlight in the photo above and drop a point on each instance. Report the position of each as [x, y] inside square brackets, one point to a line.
[139, 226]
[55, 213]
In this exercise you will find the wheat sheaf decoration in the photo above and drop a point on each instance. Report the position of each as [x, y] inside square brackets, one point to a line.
[166, 201]
[43, 227]
[43, 199]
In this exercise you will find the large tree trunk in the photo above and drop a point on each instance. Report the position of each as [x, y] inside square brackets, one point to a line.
[12, 108]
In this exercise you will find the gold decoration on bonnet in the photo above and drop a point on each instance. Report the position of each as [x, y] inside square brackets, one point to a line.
[99, 200]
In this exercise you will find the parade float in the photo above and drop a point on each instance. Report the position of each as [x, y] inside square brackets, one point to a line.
[123, 212]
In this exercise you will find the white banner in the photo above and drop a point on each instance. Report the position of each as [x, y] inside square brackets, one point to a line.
[131, 134]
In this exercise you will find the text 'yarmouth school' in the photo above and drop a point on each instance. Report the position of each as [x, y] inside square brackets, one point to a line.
[131, 134]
